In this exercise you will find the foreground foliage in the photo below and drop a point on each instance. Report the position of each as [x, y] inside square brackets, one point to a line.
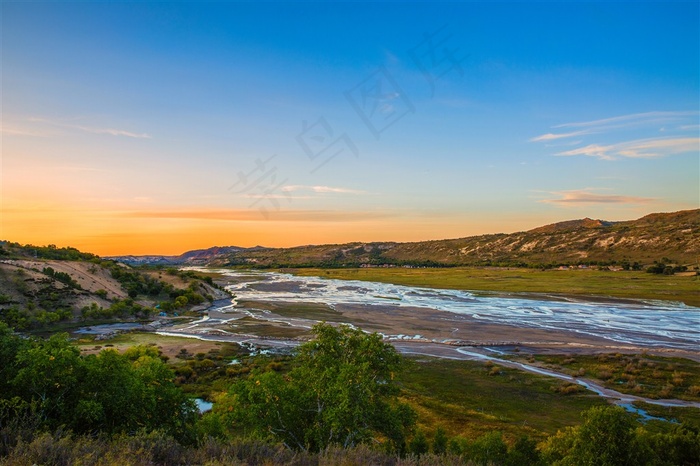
[608, 437]
[639, 374]
[340, 391]
[47, 385]
[337, 403]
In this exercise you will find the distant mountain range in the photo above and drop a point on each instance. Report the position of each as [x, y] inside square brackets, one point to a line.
[195, 257]
[671, 237]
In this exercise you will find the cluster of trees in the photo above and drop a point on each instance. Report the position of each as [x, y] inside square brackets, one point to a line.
[32, 318]
[51, 251]
[181, 298]
[610, 436]
[126, 307]
[62, 277]
[134, 282]
[663, 268]
[48, 384]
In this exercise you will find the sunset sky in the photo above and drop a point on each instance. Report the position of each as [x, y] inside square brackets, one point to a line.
[156, 128]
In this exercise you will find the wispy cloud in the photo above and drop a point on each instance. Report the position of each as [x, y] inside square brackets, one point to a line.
[619, 137]
[91, 129]
[642, 148]
[553, 136]
[247, 215]
[113, 132]
[585, 196]
[322, 189]
[21, 132]
[631, 119]
[617, 123]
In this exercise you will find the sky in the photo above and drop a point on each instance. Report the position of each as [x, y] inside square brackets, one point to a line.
[157, 128]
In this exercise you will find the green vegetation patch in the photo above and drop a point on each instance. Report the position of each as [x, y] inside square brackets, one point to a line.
[469, 398]
[686, 416]
[637, 374]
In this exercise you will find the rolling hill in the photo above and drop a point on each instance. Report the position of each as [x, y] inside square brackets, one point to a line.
[669, 237]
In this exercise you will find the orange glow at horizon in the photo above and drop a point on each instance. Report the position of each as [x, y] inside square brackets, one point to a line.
[124, 232]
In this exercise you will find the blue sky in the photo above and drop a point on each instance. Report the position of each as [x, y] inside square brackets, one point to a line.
[158, 127]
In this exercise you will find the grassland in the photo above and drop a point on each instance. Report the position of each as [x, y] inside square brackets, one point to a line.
[170, 346]
[688, 416]
[469, 399]
[586, 282]
[639, 374]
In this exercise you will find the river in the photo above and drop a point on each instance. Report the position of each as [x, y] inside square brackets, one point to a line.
[639, 324]
[648, 324]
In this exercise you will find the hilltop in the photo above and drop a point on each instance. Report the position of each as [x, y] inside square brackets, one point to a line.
[43, 285]
[668, 237]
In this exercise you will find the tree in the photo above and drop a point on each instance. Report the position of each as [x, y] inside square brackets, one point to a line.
[419, 444]
[489, 448]
[341, 391]
[440, 441]
[180, 301]
[524, 453]
[10, 346]
[50, 373]
[606, 438]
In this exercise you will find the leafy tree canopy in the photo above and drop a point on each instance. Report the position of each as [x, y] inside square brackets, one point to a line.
[340, 392]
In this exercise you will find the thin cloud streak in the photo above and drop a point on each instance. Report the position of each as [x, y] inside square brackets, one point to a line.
[632, 119]
[553, 136]
[618, 123]
[22, 132]
[93, 130]
[641, 148]
[113, 132]
[322, 189]
[575, 197]
[248, 215]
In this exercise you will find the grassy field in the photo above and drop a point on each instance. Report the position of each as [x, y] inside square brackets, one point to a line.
[469, 399]
[170, 346]
[688, 416]
[590, 283]
[637, 374]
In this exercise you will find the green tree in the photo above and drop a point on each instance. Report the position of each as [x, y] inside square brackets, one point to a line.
[50, 373]
[524, 453]
[341, 391]
[10, 346]
[419, 444]
[180, 301]
[440, 441]
[105, 393]
[606, 438]
[678, 446]
[489, 449]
